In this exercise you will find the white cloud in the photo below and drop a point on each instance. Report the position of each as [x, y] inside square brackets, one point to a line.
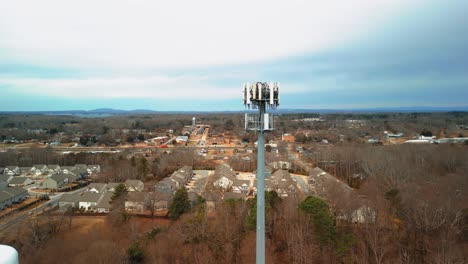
[145, 34]
[158, 87]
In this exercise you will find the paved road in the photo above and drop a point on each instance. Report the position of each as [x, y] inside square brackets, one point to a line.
[199, 181]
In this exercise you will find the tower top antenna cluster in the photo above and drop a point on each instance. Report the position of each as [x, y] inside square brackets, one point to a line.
[261, 93]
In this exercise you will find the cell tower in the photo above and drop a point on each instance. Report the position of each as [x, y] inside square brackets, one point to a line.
[260, 95]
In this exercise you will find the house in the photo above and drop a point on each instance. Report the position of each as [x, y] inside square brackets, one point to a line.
[104, 204]
[182, 176]
[327, 186]
[6, 178]
[364, 214]
[356, 210]
[160, 201]
[57, 181]
[3, 184]
[134, 185]
[110, 187]
[136, 201]
[11, 170]
[167, 185]
[288, 138]
[81, 167]
[282, 183]
[39, 169]
[5, 200]
[17, 194]
[20, 181]
[54, 168]
[225, 179]
[81, 170]
[280, 165]
[25, 171]
[268, 171]
[69, 200]
[93, 169]
[177, 180]
[181, 139]
[96, 187]
[67, 169]
[88, 201]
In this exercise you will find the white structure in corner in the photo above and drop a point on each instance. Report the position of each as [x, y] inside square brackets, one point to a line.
[8, 255]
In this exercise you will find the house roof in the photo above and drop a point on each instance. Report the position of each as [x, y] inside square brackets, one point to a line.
[60, 177]
[105, 201]
[327, 182]
[225, 170]
[94, 168]
[12, 167]
[137, 196]
[168, 181]
[18, 180]
[14, 191]
[4, 196]
[98, 186]
[80, 168]
[182, 175]
[89, 197]
[112, 185]
[5, 177]
[40, 166]
[69, 197]
[133, 183]
[53, 167]
[162, 196]
[211, 196]
[25, 169]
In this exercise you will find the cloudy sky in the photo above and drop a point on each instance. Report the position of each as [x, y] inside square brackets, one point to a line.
[195, 55]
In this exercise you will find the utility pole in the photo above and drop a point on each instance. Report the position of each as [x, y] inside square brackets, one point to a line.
[260, 95]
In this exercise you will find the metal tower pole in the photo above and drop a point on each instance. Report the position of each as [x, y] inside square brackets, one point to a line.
[260, 95]
[260, 255]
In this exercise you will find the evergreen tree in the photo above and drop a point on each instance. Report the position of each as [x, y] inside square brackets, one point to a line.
[322, 218]
[119, 190]
[180, 204]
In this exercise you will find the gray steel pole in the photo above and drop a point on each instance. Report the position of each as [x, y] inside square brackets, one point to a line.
[260, 254]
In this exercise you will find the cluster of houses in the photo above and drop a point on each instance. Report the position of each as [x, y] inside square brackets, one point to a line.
[226, 181]
[48, 176]
[96, 197]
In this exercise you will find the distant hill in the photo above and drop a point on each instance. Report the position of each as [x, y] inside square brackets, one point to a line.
[111, 112]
